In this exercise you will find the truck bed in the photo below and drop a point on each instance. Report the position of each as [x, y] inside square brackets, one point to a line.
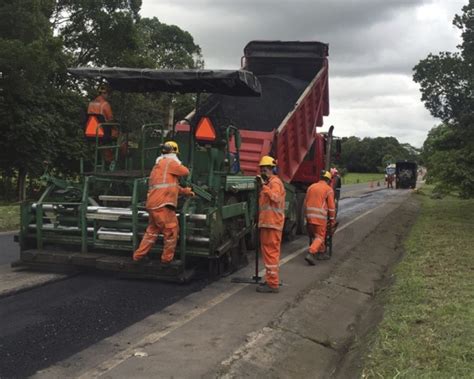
[282, 122]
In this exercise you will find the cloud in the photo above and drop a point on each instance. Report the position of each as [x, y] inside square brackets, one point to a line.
[373, 46]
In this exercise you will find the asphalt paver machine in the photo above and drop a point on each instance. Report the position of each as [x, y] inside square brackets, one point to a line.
[99, 220]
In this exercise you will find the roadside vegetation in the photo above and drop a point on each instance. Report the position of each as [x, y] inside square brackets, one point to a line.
[428, 326]
[446, 80]
[9, 217]
[364, 177]
[42, 108]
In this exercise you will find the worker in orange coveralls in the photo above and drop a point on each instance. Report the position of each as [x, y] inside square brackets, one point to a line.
[162, 199]
[99, 111]
[271, 218]
[318, 205]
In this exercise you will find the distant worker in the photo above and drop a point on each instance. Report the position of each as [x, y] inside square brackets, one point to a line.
[319, 206]
[271, 218]
[99, 111]
[162, 200]
[389, 178]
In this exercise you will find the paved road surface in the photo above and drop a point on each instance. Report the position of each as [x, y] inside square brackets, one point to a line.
[69, 327]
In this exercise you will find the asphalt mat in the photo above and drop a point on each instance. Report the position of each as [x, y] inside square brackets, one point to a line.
[47, 324]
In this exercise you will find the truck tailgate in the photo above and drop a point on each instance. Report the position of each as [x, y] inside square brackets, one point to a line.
[296, 133]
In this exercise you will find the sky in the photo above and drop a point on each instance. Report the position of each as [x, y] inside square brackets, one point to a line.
[373, 47]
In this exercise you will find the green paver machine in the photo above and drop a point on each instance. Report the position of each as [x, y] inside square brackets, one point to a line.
[98, 221]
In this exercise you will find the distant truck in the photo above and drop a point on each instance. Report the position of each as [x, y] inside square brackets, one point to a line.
[405, 173]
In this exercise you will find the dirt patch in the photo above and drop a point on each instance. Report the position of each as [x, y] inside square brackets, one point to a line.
[325, 333]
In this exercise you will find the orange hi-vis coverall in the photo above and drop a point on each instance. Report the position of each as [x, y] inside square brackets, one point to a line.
[162, 199]
[318, 203]
[99, 106]
[271, 218]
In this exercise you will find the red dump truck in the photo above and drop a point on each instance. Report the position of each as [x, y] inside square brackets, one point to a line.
[283, 121]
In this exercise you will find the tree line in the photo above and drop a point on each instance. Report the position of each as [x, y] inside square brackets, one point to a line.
[41, 106]
[447, 89]
[373, 154]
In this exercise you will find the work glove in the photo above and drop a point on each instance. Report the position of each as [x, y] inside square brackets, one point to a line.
[188, 192]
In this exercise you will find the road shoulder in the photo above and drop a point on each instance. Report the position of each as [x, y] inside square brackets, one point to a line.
[320, 334]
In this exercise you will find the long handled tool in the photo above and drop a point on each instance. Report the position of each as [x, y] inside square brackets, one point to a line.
[329, 234]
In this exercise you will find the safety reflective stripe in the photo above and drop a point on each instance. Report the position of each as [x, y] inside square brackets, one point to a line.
[152, 234]
[163, 185]
[332, 218]
[314, 209]
[331, 210]
[270, 208]
[271, 266]
[166, 170]
[272, 226]
[313, 215]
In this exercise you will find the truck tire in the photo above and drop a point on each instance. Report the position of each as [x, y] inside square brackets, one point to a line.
[300, 216]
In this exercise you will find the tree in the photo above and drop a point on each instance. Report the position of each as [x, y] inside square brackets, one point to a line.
[99, 32]
[42, 108]
[446, 160]
[167, 46]
[373, 154]
[31, 64]
[446, 83]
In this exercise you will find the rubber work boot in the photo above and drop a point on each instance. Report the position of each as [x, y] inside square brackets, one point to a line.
[323, 256]
[310, 259]
[267, 289]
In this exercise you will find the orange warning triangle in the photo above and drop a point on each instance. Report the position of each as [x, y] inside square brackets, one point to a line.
[205, 131]
[91, 127]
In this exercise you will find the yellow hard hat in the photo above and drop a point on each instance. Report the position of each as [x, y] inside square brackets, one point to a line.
[171, 146]
[267, 161]
[326, 175]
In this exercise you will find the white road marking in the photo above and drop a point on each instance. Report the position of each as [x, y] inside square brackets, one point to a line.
[152, 338]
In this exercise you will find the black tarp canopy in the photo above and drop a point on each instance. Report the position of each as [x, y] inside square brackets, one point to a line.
[226, 82]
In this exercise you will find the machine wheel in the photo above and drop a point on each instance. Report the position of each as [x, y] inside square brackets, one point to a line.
[300, 217]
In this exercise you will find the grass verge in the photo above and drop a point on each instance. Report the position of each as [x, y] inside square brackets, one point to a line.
[428, 325]
[9, 217]
[355, 177]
